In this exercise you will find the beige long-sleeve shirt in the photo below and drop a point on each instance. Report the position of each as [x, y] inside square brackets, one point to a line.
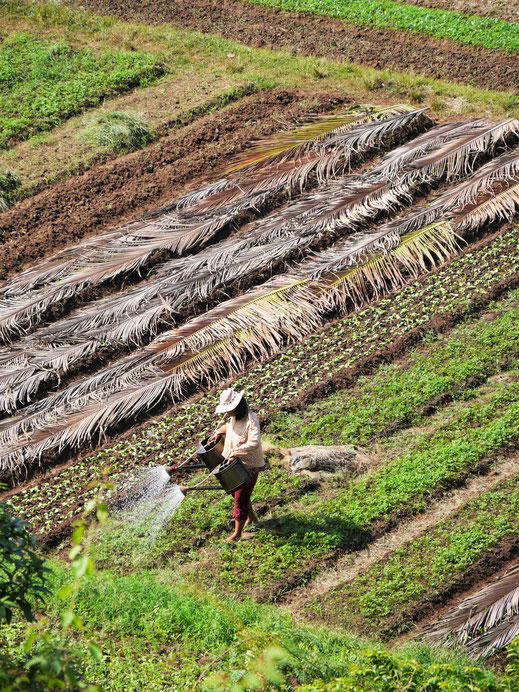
[242, 439]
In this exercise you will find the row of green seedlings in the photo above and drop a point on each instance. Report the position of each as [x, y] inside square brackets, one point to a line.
[392, 398]
[338, 347]
[381, 598]
[495, 34]
[373, 503]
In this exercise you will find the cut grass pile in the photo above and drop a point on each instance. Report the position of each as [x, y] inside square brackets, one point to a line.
[119, 131]
[425, 566]
[43, 82]
[274, 384]
[168, 635]
[491, 33]
[9, 183]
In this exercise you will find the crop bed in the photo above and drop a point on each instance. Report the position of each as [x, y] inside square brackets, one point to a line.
[381, 48]
[389, 596]
[379, 333]
[61, 81]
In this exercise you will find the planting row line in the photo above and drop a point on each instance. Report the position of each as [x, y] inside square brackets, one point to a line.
[372, 503]
[275, 384]
[380, 599]
[491, 33]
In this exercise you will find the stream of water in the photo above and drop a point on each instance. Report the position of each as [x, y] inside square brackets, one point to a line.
[149, 500]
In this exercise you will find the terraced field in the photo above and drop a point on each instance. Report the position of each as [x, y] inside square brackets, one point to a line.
[339, 241]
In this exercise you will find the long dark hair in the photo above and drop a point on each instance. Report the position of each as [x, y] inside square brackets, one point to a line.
[242, 410]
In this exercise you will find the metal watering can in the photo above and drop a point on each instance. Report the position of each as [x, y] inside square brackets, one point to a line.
[230, 473]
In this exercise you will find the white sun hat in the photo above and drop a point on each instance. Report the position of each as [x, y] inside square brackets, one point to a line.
[229, 399]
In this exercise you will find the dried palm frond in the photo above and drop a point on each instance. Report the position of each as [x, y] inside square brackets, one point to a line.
[486, 621]
[287, 307]
[392, 266]
[120, 254]
[457, 157]
[296, 143]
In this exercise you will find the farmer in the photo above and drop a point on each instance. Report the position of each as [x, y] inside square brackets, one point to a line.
[242, 440]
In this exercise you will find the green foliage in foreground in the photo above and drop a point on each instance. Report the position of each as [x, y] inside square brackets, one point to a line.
[156, 633]
[119, 131]
[22, 572]
[44, 82]
[380, 671]
[426, 565]
[494, 34]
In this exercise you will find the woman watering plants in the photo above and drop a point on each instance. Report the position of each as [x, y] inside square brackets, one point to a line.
[242, 440]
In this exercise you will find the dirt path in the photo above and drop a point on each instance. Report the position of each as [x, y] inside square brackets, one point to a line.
[351, 565]
[509, 10]
[127, 187]
[309, 34]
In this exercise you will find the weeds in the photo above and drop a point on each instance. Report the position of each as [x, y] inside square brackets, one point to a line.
[9, 183]
[118, 131]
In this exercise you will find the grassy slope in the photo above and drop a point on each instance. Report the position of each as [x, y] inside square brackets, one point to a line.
[491, 33]
[168, 633]
[208, 57]
[421, 568]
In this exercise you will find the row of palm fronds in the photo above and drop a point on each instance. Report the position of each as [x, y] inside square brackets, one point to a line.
[339, 209]
[256, 324]
[484, 622]
[325, 150]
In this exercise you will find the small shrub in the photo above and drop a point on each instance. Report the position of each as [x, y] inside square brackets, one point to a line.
[9, 182]
[119, 131]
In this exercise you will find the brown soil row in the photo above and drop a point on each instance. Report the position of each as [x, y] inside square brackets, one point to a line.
[309, 34]
[131, 185]
[509, 10]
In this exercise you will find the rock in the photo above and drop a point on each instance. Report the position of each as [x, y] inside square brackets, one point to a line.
[348, 459]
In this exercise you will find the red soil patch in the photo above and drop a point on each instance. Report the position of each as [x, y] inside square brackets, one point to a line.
[119, 191]
[309, 34]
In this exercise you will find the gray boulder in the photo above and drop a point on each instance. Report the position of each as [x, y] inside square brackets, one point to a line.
[311, 459]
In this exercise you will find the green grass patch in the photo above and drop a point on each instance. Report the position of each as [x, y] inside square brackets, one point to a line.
[491, 33]
[43, 82]
[156, 633]
[426, 565]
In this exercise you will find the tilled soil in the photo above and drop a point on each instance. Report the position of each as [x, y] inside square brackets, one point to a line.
[129, 186]
[309, 34]
[509, 10]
